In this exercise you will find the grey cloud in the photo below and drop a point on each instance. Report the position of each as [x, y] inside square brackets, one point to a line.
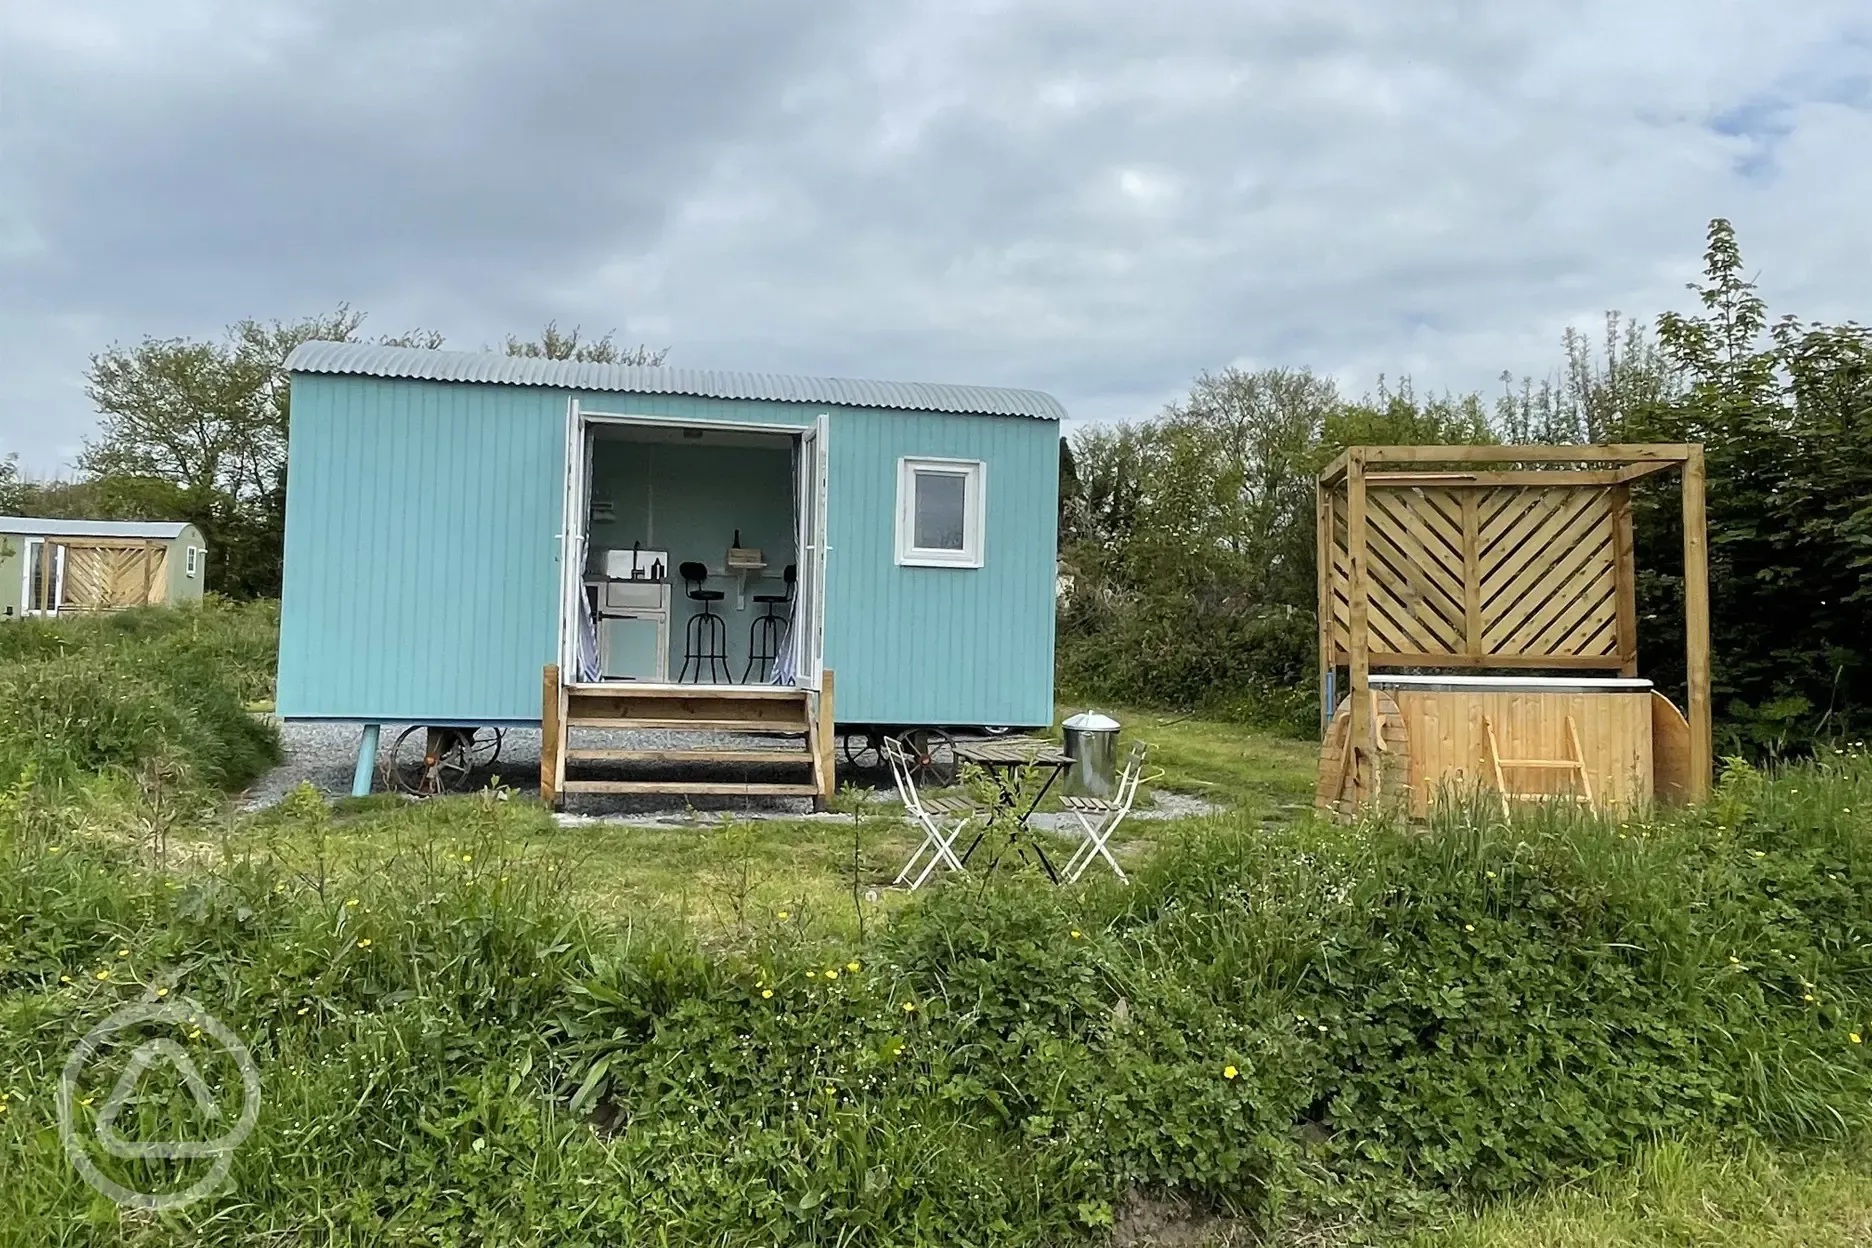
[1095, 197]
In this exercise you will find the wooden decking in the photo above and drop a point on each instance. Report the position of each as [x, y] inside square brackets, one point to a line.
[799, 721]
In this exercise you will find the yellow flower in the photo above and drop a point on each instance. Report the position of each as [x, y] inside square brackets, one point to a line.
[1468, 927]
[831, 974]
[1075, 934]
[1854, 1037]
[3, 1107]
[1229, 1072]
[467, 857]
[812, 974]
[909, 1007]
[53, 850]
[782, 914]
[1734, 961]
[103, 974]
[123, 953]
[162, 992]
[195, 1034]
[1491, 875]
[87, 1100]
[350, 901]
[364, 944]
[304, 1008]
[852, 967]
[766, 994]
[1760, 854]
[1808, 997]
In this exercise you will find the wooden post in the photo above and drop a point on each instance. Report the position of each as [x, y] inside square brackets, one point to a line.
[1358, 661]
[551, 730]
[1696, 626]
[825, 765]
[1323, 515]
[1625, 571]
[1472, 572]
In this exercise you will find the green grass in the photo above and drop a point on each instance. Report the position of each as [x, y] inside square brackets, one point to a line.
[479, 1025]
[1679, 1196]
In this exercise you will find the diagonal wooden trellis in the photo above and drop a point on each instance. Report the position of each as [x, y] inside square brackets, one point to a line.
[1444, 562]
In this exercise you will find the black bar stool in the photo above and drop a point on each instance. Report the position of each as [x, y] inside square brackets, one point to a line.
[768, 630]
[705, 640]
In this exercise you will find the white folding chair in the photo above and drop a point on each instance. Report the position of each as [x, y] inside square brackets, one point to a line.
[932, 814]
[1099, 818]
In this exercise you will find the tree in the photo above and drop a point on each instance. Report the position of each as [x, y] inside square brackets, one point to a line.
[196, 431]
[557, 344]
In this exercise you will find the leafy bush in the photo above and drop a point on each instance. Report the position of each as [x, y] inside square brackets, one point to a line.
[1267, 1023]
[122, 690]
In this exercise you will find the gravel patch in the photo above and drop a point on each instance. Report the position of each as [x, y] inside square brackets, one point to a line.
[324, 756]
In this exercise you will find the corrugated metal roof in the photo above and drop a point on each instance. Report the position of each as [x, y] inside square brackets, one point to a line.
[146, 530]
[369, 360]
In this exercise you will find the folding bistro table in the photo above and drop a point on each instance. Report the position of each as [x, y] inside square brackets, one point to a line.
[1004, 760]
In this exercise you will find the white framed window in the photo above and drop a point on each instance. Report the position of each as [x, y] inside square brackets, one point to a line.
[191, 562]
[940, 507]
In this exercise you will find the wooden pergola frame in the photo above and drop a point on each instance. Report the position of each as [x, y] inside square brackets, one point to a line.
[1450, 556]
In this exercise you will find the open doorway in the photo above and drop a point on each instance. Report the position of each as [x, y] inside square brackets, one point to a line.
[694, 552]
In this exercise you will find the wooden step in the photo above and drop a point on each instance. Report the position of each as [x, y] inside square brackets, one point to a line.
[665, 689]
[1550, 764]
[701, 755]
[684, 788]
[773, 727]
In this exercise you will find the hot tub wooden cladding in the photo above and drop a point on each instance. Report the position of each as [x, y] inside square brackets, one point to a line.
[1513, 560]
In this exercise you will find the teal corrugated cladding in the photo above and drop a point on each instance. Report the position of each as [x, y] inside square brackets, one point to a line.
[422, 557]
[941, 645]
[422, 560]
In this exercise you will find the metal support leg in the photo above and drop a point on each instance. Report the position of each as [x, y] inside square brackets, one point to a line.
[366, 761]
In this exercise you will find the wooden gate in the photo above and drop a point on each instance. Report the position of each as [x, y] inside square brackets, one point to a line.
[104, 574]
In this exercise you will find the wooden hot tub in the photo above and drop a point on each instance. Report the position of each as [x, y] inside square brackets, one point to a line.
[1612, 742]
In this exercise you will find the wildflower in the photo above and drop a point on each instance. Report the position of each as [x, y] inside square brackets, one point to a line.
[64, 979]
[909, 1007]
[781, 915]
[195, 1034]
[852, 967]
[1229, 1072]
[1760, 854]
[280, 887]
[1491, 875]
[1075, 934]
[1854, 1037]
[87, 1100]
[103, 974]
[350, 901]
[1468, 927]
[766, 994]
[831, 974]
[52, 849]
[467, 857]
[1807, 997]
[812, 974]
[3, 1107]
[1322, 1026]
[1734, 961]
[162, 992]
[364, 943]
[302, 1009]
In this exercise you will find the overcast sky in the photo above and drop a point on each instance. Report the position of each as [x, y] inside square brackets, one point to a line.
[1094, 198]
